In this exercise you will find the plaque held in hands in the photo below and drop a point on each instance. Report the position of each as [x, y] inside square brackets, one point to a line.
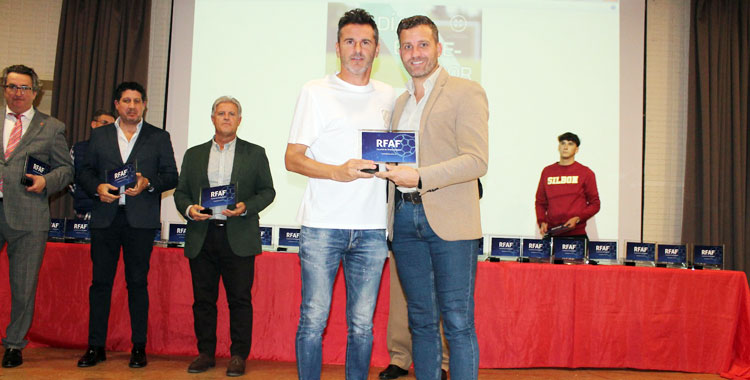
[124, 176]
[35, 167]
[392, 147]
[225, 195]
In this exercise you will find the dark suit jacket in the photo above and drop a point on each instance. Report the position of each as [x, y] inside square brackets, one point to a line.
[82, 201]
[154, 159]
[251, 174]
[45, 141]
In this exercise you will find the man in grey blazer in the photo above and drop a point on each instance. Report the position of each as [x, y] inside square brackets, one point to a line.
[24, 210]
[435, 224]
[224, 243]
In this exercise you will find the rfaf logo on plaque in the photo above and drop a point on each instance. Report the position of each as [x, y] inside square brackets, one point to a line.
[400, 147]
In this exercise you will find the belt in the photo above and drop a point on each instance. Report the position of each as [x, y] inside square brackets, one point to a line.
[412, 197]
[221, 223]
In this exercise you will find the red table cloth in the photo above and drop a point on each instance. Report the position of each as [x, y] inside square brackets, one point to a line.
[527, 315]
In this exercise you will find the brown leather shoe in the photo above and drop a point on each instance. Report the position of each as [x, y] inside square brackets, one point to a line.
[202, 363]
[236, 366]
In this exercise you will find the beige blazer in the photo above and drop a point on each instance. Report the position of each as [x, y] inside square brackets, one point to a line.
[453, 153]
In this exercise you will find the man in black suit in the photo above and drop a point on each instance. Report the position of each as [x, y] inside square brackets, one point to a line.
[24, 210]
[126, 217]
[223, 244]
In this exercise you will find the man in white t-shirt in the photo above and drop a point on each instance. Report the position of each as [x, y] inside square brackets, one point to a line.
[343, 210]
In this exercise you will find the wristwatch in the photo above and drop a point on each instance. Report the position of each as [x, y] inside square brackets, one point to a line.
[149, 187]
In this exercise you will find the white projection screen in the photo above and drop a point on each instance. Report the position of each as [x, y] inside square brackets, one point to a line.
[548, 67]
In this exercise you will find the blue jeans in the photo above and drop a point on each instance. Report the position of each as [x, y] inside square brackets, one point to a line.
[363, 253]
[438, 278]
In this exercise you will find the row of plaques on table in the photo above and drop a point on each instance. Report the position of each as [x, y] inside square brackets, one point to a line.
[77, 231]
[273, 238]
[563, 250]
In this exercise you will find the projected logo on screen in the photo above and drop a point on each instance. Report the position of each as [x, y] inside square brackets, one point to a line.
[460, 32]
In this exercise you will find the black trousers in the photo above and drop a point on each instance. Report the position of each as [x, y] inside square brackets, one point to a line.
[216, 260]
[136, 244]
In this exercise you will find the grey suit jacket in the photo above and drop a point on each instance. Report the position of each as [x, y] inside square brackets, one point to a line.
[45, 141]
[453, 153]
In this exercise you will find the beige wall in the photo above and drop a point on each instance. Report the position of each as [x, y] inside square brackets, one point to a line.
[28, 35]
[34, 44]
[666, 89]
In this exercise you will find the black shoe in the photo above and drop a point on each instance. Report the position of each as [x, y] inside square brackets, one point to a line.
[236, 366]
[443, 374]
[393, 372]
[92, 357]
[138, 358]
[12, 358]
[202, 363]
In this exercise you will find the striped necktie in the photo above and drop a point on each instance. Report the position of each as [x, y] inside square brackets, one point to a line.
[13, 140]
[15, 136]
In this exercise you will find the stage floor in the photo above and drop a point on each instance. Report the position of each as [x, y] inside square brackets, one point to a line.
[58, 363]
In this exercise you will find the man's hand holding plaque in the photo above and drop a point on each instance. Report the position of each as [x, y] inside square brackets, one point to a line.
[141, 183]
[239, 209]
[198, 212]
[354, 169]
[401, 175]
[34, 172]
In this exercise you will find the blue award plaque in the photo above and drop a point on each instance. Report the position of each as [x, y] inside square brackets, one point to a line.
[266, 237]
[506, 249]
[157, 236]
[35, 167]
[397, 147]
[176, 237]
[56, 230]
[218, 196]
[122, 176]
[536, 250]
[641, 254]
[708, 256]
[77, 230]
[603, 252]
[288, 239]
[671, 255]
[569, 250]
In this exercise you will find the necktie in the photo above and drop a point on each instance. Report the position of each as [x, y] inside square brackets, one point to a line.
[15, 137]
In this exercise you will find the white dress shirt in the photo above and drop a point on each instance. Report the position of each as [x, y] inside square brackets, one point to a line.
[412, 114]
[125, 148]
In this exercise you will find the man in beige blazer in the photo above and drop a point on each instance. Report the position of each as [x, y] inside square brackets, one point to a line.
[434, 220]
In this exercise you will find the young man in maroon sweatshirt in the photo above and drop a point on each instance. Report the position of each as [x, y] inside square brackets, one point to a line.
[567, 193]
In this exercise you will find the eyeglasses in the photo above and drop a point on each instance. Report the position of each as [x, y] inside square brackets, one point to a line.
[14, 88]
